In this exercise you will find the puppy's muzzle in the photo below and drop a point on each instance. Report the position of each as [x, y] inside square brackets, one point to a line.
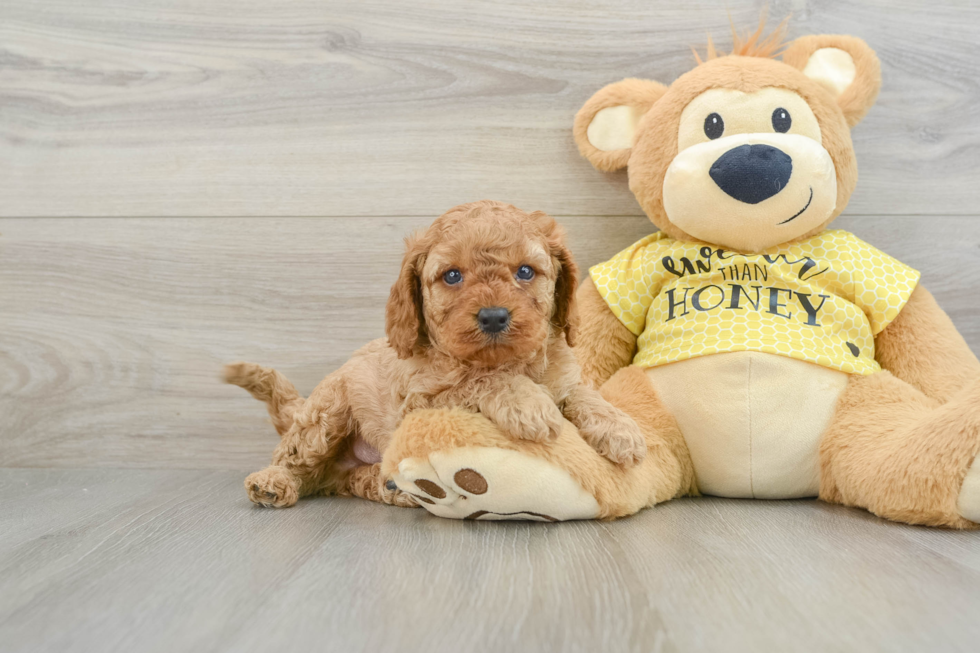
[493, 320]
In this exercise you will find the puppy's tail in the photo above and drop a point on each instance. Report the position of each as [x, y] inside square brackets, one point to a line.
[268, 385]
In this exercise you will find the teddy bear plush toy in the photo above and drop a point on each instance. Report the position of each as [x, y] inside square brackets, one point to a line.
[762, 354]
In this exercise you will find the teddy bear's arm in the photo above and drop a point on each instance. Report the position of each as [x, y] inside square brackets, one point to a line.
[603, 343]
[922, 347]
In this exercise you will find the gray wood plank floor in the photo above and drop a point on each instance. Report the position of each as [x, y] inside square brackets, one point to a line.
[110, 560]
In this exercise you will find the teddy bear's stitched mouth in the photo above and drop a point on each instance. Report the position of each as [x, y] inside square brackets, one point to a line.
[800, 212]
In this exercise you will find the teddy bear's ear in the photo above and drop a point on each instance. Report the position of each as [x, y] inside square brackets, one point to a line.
[844, 65]
[606, 124]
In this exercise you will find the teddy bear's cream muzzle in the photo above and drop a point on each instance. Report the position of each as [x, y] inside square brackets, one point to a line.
[749, 192]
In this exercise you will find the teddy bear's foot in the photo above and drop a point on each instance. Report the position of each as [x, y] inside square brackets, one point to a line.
[273, 487]
[493, 483]
[969, 499]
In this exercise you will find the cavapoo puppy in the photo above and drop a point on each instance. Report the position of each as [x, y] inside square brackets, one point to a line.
[481, 317]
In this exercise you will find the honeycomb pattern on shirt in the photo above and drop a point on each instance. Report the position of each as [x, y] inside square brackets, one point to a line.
[820, 300]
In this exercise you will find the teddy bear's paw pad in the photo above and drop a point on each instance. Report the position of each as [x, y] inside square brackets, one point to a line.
[969, 499]
[488, 483]
[417, 478]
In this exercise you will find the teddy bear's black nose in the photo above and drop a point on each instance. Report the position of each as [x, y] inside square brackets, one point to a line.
[752, 173]
[493, 320]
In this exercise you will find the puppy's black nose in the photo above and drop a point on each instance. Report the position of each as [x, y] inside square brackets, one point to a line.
[752, 173]
[493, 320]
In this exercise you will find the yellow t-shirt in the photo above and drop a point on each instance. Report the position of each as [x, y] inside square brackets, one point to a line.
[820, 300]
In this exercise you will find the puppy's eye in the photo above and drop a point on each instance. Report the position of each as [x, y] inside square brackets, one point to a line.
[452, 277]
[525, 273]
[714, 126]
[781, 120]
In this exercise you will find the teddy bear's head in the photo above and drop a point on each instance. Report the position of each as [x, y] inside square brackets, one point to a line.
[743, 151]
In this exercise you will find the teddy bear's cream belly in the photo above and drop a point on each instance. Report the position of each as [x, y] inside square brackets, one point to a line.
[752, 421]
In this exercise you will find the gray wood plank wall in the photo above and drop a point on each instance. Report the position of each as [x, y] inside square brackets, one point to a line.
[188, 183]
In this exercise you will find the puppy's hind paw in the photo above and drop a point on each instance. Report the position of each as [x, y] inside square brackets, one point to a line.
[273, 487]
[391, 495]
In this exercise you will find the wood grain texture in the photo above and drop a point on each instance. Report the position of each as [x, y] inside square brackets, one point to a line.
[145, 561]
[387, 107]
[113, 331]
[378, 115]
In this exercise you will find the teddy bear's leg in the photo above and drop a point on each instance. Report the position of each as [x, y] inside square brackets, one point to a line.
[902, 455]
[457, 464]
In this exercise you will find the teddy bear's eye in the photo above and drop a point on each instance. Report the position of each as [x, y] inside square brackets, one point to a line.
[714, 126]
[781, 120]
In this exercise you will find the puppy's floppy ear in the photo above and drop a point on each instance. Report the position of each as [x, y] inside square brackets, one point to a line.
[844, 65]
[404, 320]
[606, 125]
[564, 317]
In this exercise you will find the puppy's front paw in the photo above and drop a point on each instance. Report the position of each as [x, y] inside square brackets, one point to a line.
[554, 421]
[618, 439]
[273, 487]
[542, 424]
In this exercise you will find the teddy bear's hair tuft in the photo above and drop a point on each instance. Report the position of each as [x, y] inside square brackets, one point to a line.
[750, 44]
